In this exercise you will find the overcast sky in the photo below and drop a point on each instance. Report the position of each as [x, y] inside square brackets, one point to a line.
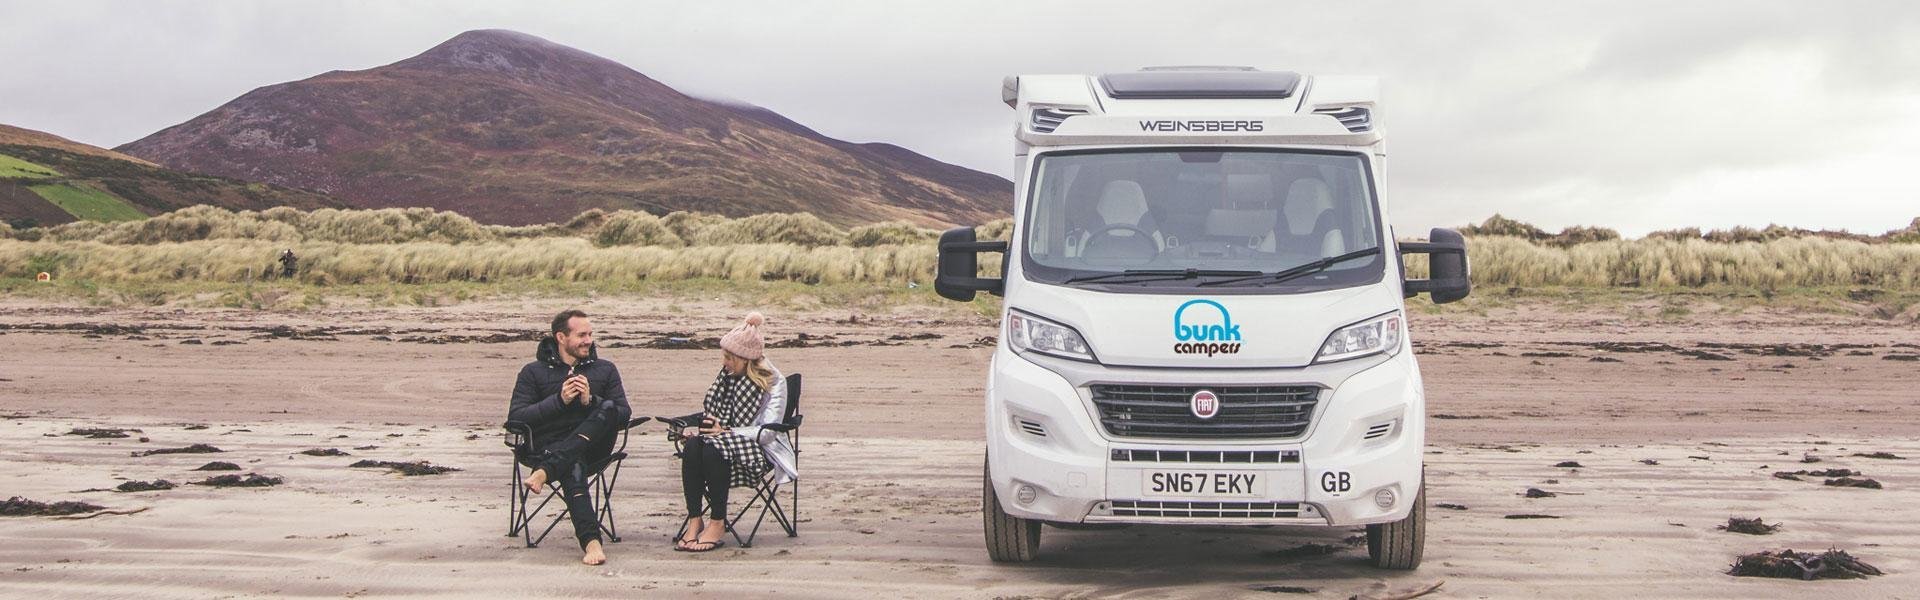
[1638, 116]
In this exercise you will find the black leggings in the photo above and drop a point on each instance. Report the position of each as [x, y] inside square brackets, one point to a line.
[565, 462]
[704, 471]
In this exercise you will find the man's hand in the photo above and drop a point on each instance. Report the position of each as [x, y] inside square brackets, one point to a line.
[575, 389]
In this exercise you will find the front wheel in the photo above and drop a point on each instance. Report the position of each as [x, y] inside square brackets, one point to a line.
[1398, 545]
[1009, 538]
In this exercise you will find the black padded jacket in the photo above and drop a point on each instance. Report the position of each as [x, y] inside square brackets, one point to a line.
[536, 394]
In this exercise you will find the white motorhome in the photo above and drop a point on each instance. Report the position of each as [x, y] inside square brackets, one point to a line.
[1203, 320]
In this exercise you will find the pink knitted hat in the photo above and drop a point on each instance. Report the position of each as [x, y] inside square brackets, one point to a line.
[745, 341]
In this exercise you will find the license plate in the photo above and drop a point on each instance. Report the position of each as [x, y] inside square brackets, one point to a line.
[1201, 484]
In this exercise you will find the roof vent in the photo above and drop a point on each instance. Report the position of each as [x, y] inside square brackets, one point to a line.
[1045, 120]
[1357, 119]
[1211, 82]
[1198, 68]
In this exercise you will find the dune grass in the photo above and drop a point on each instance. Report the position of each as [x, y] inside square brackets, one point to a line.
[88, 204]
[11, 167]
[1657, 263]
[425, 256]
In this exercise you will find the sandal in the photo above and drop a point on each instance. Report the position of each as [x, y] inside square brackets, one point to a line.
[680, 541]
[711, 546]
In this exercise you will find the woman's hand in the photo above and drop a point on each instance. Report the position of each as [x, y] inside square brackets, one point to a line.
[711, 427]
[690, 431]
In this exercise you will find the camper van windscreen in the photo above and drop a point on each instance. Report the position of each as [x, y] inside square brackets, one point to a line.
[1186, 217]
[1200, 84]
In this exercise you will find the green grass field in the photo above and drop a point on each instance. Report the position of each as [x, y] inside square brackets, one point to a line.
[88, 204]
[14, 167]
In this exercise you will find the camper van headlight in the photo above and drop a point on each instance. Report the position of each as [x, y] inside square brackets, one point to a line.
[1372, 336]
[1030, 333]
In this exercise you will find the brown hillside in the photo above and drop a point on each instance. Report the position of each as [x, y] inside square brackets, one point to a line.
[65, 168]
[510, 128]
[20, 136]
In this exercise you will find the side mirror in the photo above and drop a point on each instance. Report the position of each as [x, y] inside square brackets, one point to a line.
[1447, 271]
[958, 276]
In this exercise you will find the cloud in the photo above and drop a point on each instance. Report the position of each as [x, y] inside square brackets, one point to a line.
[1638, 115]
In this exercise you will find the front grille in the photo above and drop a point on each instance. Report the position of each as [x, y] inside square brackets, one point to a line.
[1206, 510]
[1207, 456]
[1245, 412]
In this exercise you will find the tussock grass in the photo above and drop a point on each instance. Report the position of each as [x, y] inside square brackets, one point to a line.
[557, 259]
[411, 247]
[1690, 263]
[892, 232]
[633, 228]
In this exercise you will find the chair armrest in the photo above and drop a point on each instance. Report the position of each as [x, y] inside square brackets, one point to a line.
[517, 434]
[780, 427]
[636, 421]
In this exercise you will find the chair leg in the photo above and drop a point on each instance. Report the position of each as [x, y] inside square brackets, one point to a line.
[767, 496]
[780, 516]
[516, 503]
[746, 542]
[553, 491]
[605, 518]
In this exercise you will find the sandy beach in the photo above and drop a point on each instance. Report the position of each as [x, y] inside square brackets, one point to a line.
[1676, 425]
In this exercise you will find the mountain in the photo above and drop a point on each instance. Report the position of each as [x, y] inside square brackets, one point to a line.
[46, 179]
[19, 136]
[510, 128]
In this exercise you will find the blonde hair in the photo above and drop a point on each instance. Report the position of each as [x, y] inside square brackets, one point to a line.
[758, 370]
[761, 373]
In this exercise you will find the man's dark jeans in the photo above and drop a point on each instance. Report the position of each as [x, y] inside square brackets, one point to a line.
[566, 462]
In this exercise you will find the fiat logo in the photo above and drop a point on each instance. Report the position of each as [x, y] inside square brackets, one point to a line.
[1205, 404]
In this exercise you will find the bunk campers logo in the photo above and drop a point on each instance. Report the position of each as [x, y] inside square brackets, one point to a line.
[1204, 327]
[1202, 125]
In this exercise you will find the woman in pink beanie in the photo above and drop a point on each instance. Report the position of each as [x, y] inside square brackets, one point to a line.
[729, 447]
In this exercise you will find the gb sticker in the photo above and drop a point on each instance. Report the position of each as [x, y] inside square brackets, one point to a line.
[1336, 482]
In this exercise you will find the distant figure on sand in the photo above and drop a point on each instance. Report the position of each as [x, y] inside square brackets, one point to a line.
[575, 404]
[728, 447]
[289, 264]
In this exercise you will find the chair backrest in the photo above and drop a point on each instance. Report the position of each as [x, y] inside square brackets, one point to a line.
[793, 398]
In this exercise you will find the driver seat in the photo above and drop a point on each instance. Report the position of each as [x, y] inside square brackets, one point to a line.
[1122, 202]
[1310, 225]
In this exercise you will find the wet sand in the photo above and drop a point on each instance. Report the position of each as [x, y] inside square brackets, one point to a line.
[889, 506]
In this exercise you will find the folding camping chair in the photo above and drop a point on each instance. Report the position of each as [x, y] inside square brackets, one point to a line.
[520, 515]
[766, 492]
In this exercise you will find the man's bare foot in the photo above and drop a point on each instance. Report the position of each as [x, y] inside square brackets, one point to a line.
[595, 555]
[535, 481]
[689, 532]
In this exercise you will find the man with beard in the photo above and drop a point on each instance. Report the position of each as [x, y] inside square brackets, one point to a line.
[576, 406]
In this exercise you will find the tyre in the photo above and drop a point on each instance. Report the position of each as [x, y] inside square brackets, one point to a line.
[1009, 538]
[1398, 545]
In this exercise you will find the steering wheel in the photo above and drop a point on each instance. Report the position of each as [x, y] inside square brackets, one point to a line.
[1142, 244]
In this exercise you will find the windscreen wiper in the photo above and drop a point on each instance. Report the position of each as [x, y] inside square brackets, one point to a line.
[1295, 272]
[1145, 275]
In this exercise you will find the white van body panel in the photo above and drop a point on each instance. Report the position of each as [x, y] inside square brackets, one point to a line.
[1052, 458]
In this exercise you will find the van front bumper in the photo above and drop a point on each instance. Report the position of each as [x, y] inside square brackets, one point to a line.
[1359, 461]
